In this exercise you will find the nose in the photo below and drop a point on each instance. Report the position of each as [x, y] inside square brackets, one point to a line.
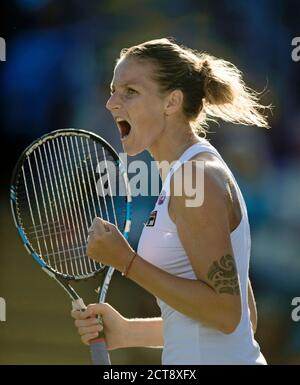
[113, 102]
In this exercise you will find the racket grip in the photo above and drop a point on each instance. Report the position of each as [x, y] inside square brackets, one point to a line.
[98, 349]
[99, 353]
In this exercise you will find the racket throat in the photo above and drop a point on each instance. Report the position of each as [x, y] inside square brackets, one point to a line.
[70, 291]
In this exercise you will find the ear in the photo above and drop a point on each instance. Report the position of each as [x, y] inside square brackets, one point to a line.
[174, 102]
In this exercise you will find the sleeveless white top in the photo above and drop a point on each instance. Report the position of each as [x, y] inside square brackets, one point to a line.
[187, 341]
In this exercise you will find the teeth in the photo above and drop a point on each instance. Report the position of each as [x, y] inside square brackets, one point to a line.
[119, 119]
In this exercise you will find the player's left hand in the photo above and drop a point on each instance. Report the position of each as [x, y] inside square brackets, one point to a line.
[107, 245]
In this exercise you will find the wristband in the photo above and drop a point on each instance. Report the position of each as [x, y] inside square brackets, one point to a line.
[126, 269]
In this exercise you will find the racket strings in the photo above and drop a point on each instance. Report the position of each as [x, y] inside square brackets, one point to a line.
[23, 194]
[76, 215]
[38, 232]
[62, 199]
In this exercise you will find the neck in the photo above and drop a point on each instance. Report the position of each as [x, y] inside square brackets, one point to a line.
[174, 140]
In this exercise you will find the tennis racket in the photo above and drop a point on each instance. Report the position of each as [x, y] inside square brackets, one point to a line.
[60, 183]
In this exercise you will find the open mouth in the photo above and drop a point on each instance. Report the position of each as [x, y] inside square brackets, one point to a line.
[124, 128]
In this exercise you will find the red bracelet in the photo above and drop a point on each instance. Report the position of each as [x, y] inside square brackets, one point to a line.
[126, 269]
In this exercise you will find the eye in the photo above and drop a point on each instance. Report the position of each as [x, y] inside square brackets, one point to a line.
[130, 91]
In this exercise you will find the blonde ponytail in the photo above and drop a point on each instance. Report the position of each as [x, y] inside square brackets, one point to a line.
[226, 96]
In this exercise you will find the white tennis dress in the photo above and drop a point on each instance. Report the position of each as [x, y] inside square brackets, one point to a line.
[187, 341]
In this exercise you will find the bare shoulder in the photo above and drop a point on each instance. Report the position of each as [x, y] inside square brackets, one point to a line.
[214, 170]
[203, 171]
[207, 176]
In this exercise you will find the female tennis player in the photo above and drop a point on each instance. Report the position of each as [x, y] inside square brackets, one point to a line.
[194, 258]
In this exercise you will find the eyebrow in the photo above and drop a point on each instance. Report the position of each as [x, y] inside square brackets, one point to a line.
[126, 84]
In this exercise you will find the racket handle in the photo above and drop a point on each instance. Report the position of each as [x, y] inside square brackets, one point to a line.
[98, 349]
[99, 353]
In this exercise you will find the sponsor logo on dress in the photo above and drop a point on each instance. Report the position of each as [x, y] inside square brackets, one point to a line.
[151, 219]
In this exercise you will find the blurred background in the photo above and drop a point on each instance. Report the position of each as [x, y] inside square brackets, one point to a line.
[59, 61]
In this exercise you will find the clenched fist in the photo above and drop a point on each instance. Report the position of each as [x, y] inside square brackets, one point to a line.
[107, 245]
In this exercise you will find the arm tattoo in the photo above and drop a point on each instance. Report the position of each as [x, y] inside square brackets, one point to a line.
[223, 276]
